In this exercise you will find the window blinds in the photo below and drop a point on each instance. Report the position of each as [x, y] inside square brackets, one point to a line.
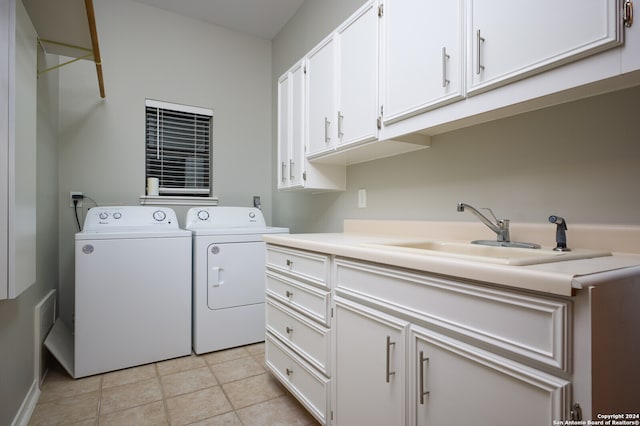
[178, 148]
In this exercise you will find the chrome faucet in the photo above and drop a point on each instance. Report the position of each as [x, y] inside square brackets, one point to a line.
[500, 227]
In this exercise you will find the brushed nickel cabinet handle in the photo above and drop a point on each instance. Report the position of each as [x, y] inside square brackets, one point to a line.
[389, 373]
[479, 41]
[327, 139]
[423, 361]
[445, 59]
[628, 13]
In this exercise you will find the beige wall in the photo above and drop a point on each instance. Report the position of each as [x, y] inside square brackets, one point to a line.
[579, 160]
[150, 53]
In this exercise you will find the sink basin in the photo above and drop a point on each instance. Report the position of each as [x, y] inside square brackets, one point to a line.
[488, 254]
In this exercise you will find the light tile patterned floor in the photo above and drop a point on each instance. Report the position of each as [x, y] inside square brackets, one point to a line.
[230, 387]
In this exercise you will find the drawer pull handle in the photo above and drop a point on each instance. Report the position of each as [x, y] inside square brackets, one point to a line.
[289, 372]
[288, 293]
[423, 392]
[389, 372]
[289, 330]
[289, 263]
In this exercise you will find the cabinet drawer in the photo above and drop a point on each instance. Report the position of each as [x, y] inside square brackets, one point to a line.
[307, 299]
[303, 264]
[528, 326]
[306, 337]
[307, 385]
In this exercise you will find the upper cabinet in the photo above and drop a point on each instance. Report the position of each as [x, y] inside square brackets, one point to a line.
[18, 106]
[357, 77]
[422, 56]
[342, 85]
[322, 123]
[399, 71]
[509, 40]
[294, 170]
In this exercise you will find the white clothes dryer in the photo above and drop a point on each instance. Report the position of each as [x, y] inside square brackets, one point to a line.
[132, 289]
[229, 261]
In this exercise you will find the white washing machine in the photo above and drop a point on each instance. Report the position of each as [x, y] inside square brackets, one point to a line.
[132, 289]
[229, 259]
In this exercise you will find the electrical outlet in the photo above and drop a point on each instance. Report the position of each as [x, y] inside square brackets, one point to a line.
[362, 198]
[71, 194]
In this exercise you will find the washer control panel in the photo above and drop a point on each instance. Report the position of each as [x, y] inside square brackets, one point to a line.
[101, 218]
[224, 217]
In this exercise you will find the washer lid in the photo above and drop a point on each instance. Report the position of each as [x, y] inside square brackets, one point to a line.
[132, 233]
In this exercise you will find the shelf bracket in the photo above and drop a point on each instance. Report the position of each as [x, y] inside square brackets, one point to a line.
[42, 42]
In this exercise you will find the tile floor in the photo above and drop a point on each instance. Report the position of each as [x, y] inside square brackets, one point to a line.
[230, 387]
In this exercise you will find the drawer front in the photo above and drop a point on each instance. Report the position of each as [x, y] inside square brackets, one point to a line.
[304, 298]
[307, 338]
[532, 327]
[310, 266]
[307, 385]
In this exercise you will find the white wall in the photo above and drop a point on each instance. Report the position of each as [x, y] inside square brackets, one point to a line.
[579, 160]
[150, 53]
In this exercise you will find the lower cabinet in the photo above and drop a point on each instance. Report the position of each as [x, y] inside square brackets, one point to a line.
[367, 344]
[414, 349]
[298, 326]
[370, 379]
[455, 383]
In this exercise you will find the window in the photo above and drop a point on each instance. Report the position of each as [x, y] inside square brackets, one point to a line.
[178, 148]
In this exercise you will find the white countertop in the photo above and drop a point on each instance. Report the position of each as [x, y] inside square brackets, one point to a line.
[559, 278]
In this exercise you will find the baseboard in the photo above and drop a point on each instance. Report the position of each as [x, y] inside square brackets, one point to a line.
[27, 406]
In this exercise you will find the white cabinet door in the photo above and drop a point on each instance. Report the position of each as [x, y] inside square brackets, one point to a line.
[284, 129]
[369, 366]
[18, 113]
[297, 158]
[508, 40]
[291, 125]
[422, 65]
[357, 77]
[321, 97]
[455, 383]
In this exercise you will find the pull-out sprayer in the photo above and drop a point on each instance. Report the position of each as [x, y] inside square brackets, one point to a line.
[561, 235]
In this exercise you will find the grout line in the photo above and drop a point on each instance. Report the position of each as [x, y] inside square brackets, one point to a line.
[167, 415]
[99, 408]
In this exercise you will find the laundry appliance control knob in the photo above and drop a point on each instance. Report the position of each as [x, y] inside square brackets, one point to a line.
[159, 215]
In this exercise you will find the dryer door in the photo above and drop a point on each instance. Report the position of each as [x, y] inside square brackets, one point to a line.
[235, 274]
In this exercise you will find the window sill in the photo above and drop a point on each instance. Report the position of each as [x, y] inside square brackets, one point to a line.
[177, 200]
